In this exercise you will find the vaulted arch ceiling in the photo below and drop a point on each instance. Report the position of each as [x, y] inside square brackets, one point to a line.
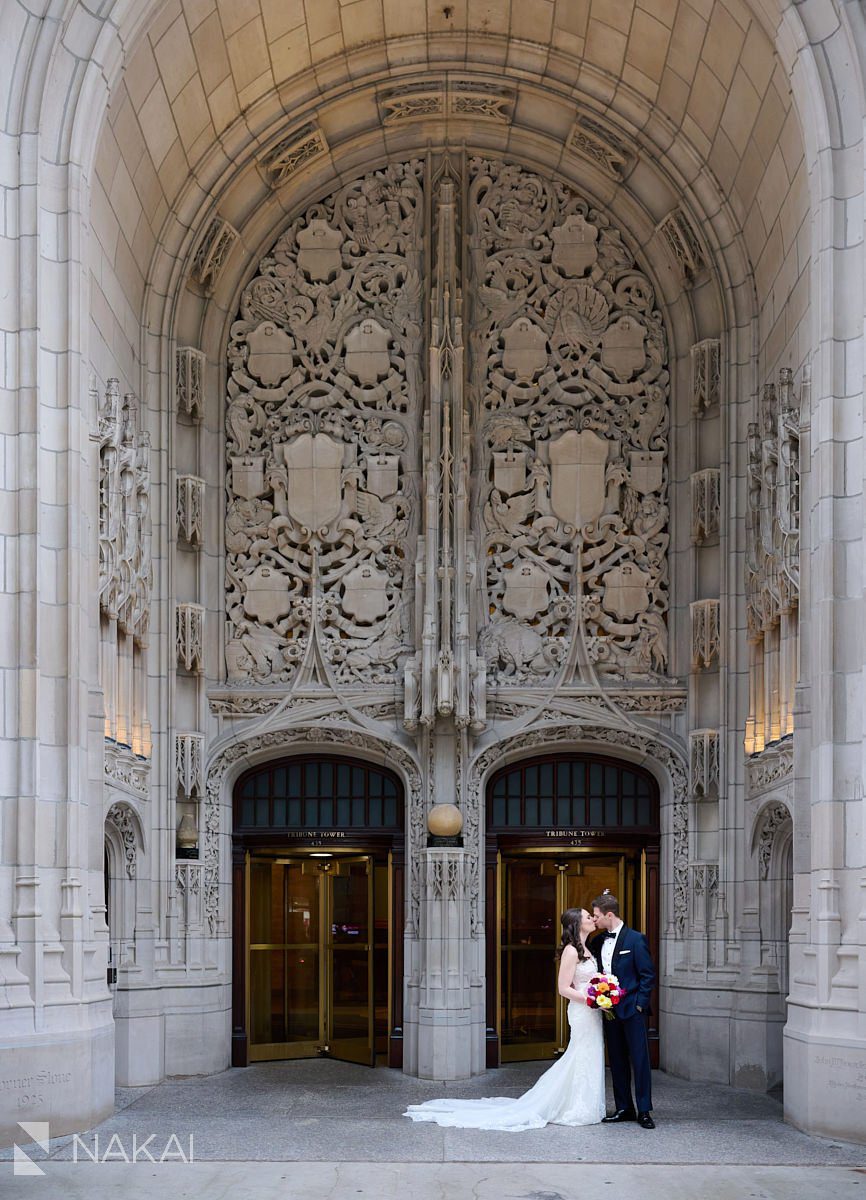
[667, 103]
[165, 105]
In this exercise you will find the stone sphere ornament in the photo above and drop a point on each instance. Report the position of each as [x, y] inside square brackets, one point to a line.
[445, 820]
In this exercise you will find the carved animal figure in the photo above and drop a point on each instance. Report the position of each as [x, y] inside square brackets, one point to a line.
[514, 648]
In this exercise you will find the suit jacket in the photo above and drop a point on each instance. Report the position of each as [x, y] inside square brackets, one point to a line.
[633, 966]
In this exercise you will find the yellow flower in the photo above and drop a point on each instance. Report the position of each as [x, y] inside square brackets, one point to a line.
[604, 1002]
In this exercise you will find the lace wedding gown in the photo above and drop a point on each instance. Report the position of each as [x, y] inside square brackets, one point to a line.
[571, 1092]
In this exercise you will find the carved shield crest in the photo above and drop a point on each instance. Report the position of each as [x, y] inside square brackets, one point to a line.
[248, 476]
[314, 463]
[266, 594]
[365, 595]
[526, 590]
[525, 348]
[319, 254]
[645, 470]
[270, 357]
[625, 591]
[367, 351]
[574, 248]
[622, 347]
[509, 471]
[577, 468]
[383, 474]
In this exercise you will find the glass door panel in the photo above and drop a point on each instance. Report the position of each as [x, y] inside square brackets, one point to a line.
[529, 919]
[349, 951]
[311, 946]
[284, 960]
[536, 890]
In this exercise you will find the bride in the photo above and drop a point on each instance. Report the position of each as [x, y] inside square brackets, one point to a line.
[571, 1092]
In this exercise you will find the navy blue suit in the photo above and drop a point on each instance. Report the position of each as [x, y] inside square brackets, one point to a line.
[626, 1036]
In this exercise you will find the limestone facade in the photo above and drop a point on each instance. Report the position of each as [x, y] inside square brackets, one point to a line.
[439, 385]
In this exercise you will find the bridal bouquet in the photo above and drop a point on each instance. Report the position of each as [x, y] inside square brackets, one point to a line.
[604, 992]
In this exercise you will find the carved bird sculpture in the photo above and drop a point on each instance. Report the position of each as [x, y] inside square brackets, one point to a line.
[510, 514]
[377, 514]
[317, 326]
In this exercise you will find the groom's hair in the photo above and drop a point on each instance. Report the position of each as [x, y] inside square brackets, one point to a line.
[606, 903]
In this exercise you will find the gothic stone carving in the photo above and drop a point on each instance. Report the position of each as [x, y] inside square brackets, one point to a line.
[125, 568]
[706, 635]
[771, 766]
[706, 375]
[470, 98]
[212, 252]
[292, 153]
[679, 234]
[122, 819]
[189, 509]
[189, 382]
[125, 769]
[189, 636]
[569, 734]
[704, 760]
[570, 396]
[600, 146]
[773, 520]
[188, 758]
[322, 428]
[706, 504]
[772, 819]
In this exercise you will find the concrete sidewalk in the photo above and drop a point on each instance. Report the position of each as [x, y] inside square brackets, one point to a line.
[432, 1181]
[280, 1128]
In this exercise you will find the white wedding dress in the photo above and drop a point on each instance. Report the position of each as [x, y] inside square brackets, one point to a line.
[571, 1092]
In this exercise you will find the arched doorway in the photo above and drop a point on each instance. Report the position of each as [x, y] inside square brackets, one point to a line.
[560, 829]
[318, 899]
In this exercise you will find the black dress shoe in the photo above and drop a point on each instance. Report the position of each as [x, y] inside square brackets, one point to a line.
[645, 1121]
[621, 1114]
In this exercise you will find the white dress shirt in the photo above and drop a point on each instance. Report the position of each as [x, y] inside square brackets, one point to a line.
[608, 948]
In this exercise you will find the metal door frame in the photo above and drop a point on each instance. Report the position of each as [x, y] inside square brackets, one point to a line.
[324, 1046]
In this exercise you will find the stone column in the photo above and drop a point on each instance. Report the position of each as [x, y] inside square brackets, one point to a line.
[445, 1008]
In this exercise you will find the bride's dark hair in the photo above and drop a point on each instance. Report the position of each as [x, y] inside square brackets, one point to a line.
[570, 921]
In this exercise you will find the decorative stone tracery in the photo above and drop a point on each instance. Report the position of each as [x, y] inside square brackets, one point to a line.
[125, 574]
[569, 386]
[322, 423]
[771, 821]
[773, 564]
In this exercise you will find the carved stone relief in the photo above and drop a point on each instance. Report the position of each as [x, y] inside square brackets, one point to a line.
[706, 375]
[121, 817]
[771, 821]
[600, 146]
[292, 153]
[773, 523]
[189, 382]
[683, 242]
[212, 251]
[189, 636]
[773, 563]
[322, 436]
[570, 415]
[704, 761]
[706, 504]
[706, 634]
[125, 564]
[190, 509]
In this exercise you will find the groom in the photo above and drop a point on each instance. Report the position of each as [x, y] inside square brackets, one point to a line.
[624, 952]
